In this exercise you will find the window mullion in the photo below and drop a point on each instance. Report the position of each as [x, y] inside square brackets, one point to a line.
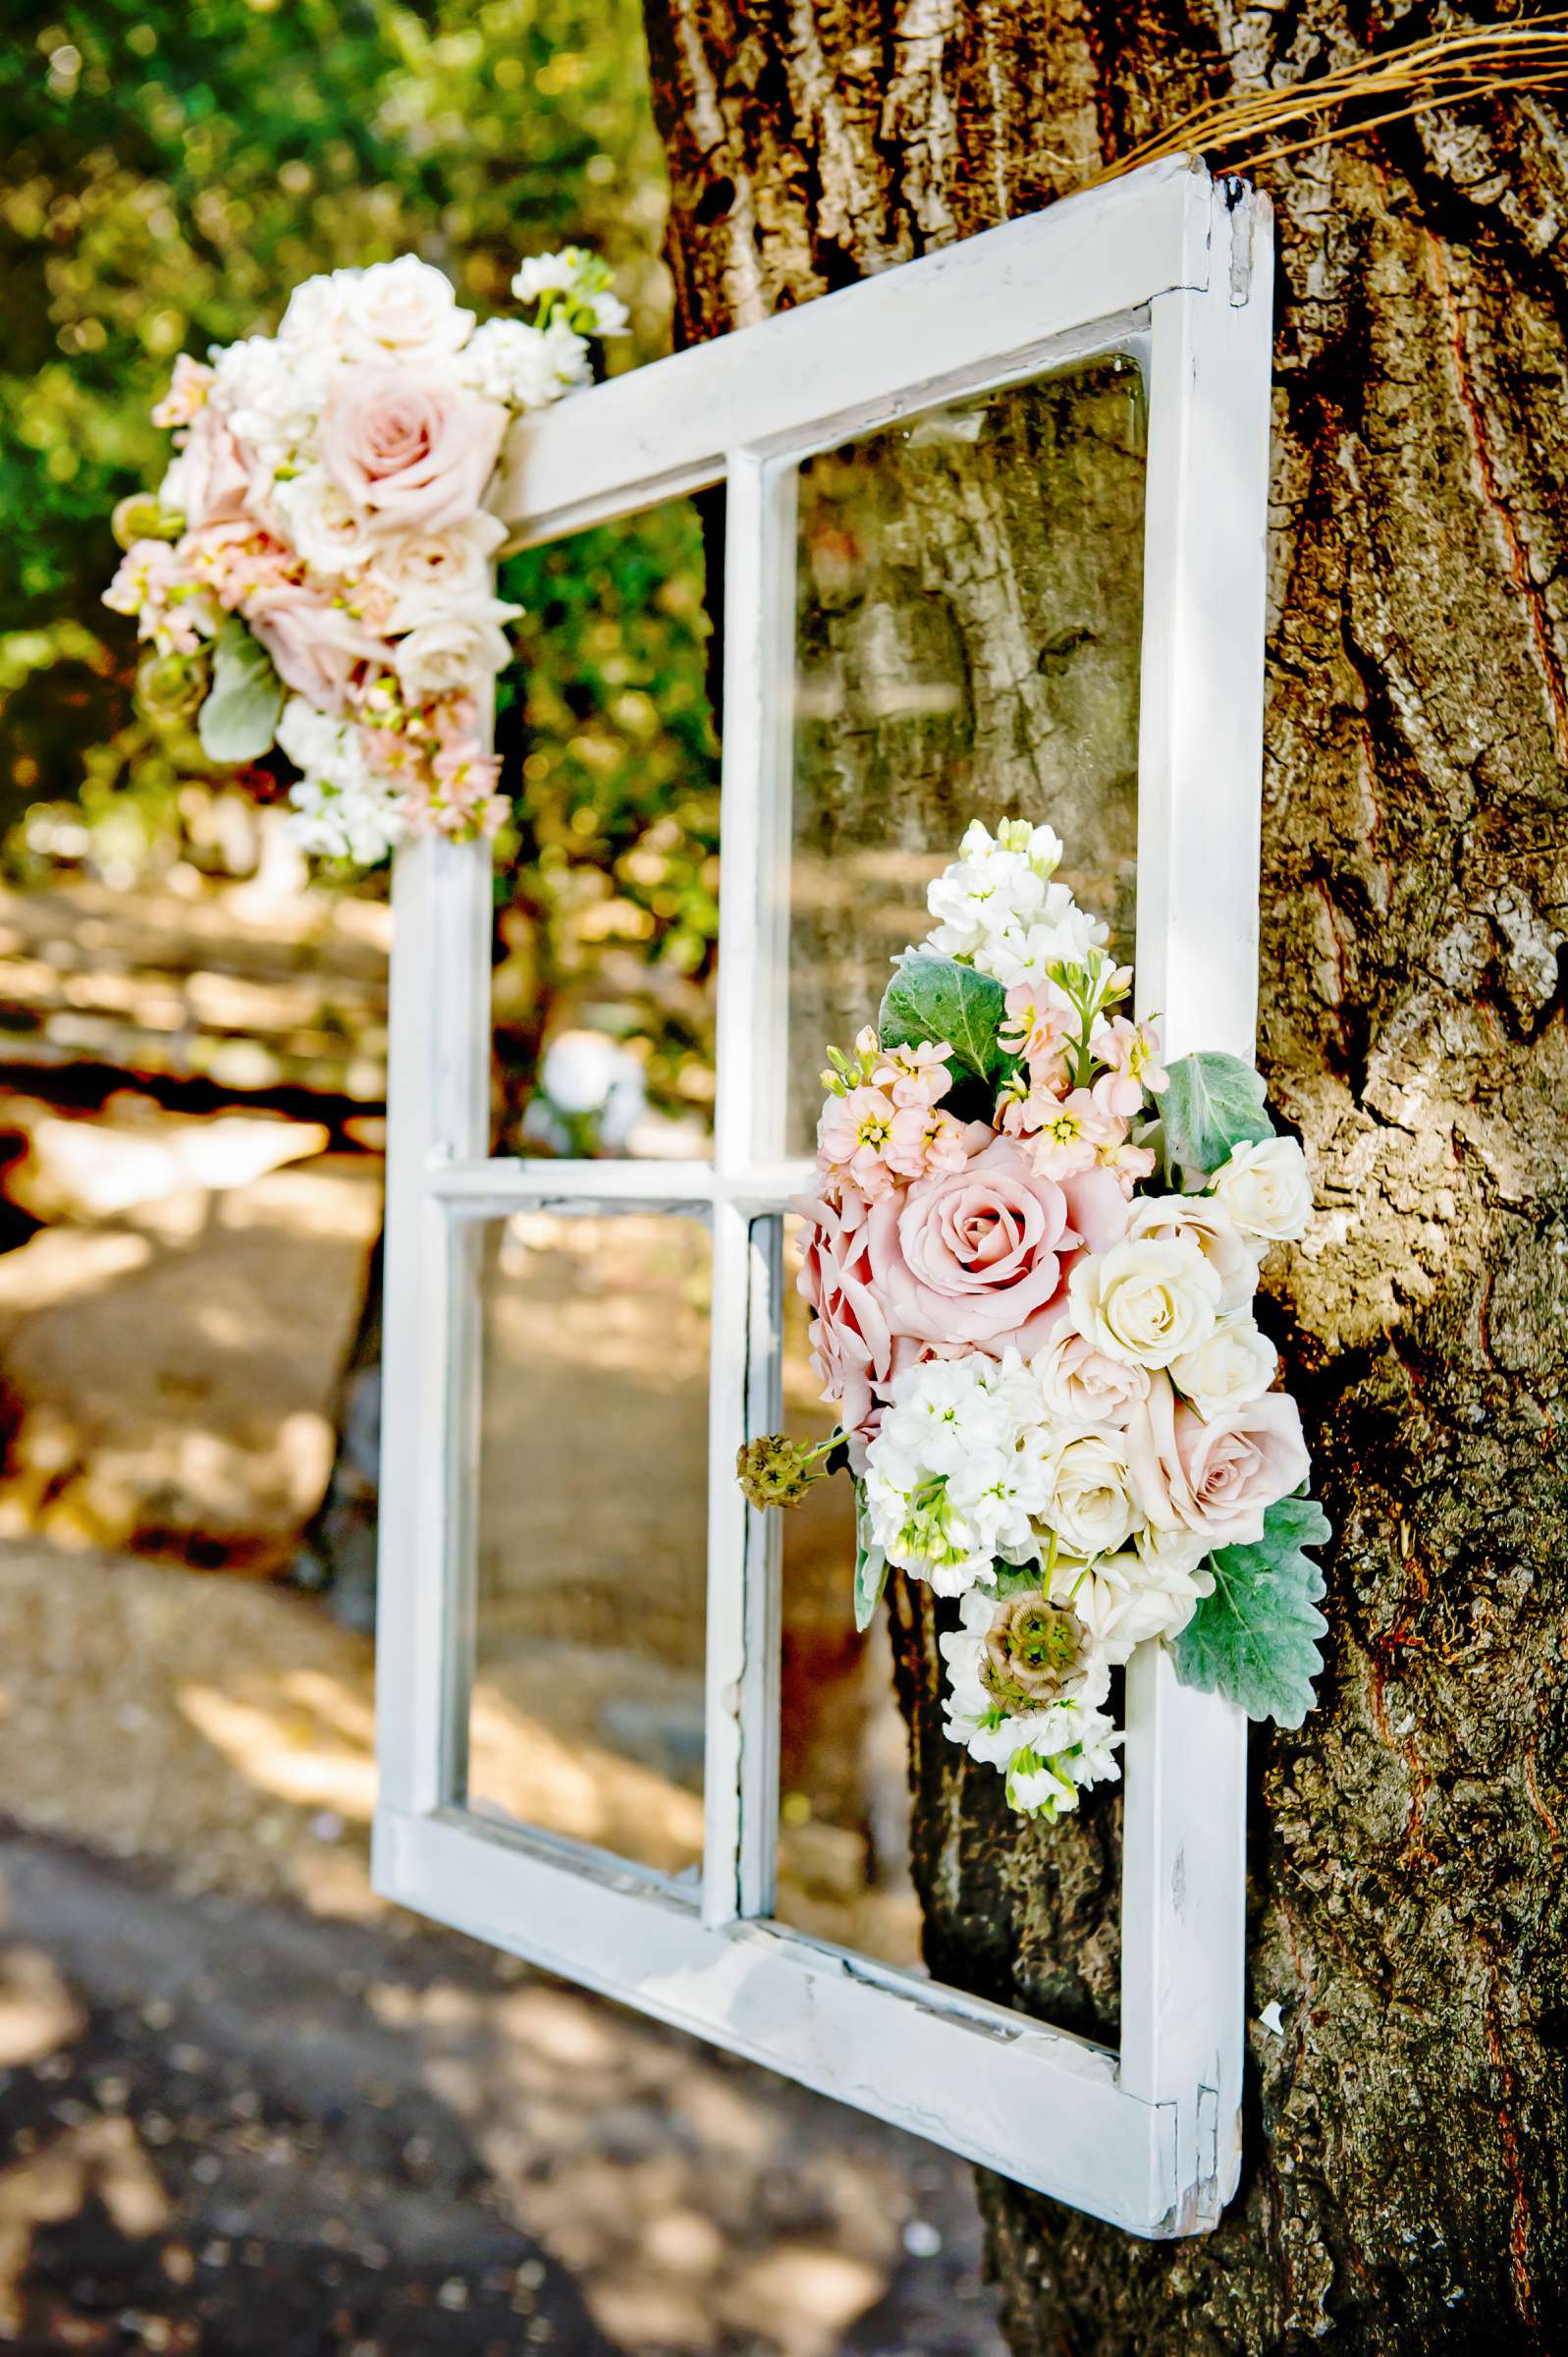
[748, 1131]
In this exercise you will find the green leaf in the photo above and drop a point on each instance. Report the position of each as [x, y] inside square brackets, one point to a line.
[938, 1000]
[871, 1565]
[1210, 1104]
[1255, 1639]
[241, 711]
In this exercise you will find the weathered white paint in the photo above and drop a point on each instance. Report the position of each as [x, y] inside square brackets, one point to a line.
[1175, 270]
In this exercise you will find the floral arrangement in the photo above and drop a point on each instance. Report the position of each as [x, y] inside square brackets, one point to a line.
[316, 568]
[1031, 1263]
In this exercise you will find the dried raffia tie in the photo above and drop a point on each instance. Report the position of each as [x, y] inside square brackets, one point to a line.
[1446, 69]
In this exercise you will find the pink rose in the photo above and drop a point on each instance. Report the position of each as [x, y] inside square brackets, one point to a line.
[972, 1256]
[411, 449]
[210, 482]
[316, 646]
[1215, 1479]
[853, 1347]
[1083, 1384]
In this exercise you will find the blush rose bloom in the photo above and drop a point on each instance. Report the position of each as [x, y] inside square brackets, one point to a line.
[315, 647]
[409, 448]
[1215, 1479]
[210, 482]
[853, 1349]
[972, 1256]
[1083, 1384]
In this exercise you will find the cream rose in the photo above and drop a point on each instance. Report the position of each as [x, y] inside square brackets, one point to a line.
[321, 523]
[402, 310]
[411, 449]
[1235, 1364]
[1146, 1300]
[419, 576]
[1091, 1503]
[1215, 1234]
[1267, 1190]
[1215, 1479]
[455, 652]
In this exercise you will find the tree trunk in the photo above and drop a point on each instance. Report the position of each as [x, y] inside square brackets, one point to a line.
[1401, 2186]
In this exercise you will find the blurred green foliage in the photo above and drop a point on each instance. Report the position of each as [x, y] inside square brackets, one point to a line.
[173, 170]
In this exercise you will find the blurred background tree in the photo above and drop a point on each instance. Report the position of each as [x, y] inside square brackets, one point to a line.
[172, 171]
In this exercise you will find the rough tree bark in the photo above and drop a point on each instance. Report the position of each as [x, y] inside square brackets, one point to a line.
[1402, 2189]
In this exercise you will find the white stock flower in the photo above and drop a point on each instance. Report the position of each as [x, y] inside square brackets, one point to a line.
[342, 810]
[547, 274]
[1049, 1784]
[951, 1481]
[1088, 1499]
[525, 367]
[360, 823]
[1267, 1190]
[273, 396]
[1234, 1364]
[1146, 1300]
[403, 311]
[998, 908]
[456, 650]
[1212, 1228]
[419, 576]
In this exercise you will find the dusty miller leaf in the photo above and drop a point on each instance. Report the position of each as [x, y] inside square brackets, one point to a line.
[1255, 1639]
[871, 1565]
[241, 713]
[1213, 1102]
[937, 999]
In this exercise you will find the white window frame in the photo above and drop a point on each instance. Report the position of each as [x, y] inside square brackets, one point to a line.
[1177, 269]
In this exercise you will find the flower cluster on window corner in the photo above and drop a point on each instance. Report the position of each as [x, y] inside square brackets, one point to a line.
[316, 568]
[1031, 1263]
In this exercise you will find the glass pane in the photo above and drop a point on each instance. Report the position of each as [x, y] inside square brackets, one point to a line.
[586, 1717]
[608, 897]
[968, 622]
[843, 1775]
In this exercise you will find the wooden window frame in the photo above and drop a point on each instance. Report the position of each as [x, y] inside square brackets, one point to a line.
[1178, 270]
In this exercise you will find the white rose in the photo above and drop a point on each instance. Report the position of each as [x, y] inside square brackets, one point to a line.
[1265, 1188]
[454, 653]
[1235, 1363]
[1171, 1557]
[403, 311]
[1089, 1501]
[1212, 1228]
[419, 577]
[319, 522]
[1146, 1300]
[317, 311]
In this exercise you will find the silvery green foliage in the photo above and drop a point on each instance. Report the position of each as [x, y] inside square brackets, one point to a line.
[241, 714]
[1210, 1104]
[938, 1000]
[1255, 1639]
